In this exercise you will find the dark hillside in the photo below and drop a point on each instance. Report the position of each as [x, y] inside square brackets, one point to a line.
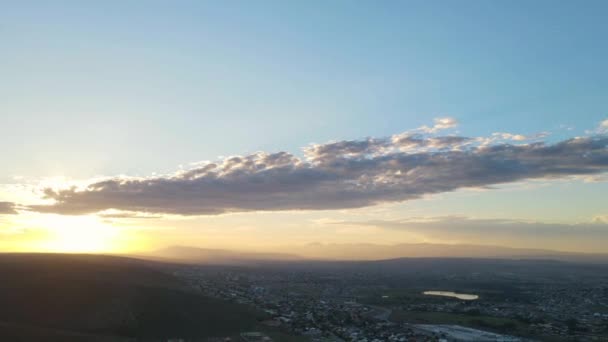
[103, 295]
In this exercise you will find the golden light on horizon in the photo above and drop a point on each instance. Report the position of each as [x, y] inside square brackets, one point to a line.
[75, 234]
[68, 240]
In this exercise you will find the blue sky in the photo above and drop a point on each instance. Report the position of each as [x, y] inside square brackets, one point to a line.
[196, 80]
[134, 88]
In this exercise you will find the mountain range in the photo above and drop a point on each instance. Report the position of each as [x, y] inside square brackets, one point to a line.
[353, 252]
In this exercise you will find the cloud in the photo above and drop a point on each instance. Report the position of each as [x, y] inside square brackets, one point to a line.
[603, 128]
[114, 214]
[600, 219]
[415, 142]
[510, 136]
[7, 208]
[338, 175]
[440, 124]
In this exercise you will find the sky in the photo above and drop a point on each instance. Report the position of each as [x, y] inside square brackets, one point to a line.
[130, 126]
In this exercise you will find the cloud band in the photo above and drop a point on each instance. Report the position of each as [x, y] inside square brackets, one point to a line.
[337, 175]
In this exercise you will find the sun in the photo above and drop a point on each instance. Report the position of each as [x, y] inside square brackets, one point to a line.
[85, 240]
[75, 234]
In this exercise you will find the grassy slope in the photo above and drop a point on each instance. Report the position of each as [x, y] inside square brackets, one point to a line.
[84, 295]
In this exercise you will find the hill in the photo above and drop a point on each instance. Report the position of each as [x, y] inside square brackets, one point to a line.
[91, 297]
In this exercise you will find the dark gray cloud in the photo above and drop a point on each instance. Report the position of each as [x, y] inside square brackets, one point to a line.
[7, 208]
[337, 175]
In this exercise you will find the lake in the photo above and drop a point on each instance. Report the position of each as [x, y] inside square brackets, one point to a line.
[463, 296]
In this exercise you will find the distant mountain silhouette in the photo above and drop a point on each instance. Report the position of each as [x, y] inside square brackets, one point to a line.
[429, 250]
[320, 251]
[216, 256]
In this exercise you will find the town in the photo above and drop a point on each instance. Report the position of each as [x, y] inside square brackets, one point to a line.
[332, 304]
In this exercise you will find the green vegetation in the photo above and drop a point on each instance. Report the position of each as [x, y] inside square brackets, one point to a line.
[599, 308]
[76, 296]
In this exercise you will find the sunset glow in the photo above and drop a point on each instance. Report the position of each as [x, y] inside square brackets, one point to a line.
[265, 132]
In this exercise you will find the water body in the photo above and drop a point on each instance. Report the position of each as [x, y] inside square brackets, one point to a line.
[463, 296]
